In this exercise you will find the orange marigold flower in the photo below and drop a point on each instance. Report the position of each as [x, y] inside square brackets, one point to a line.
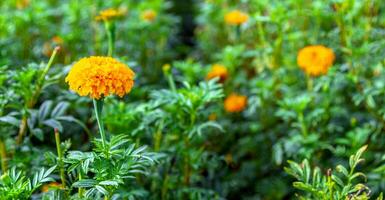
[236, 17]
[109, 14]
[315, 60]
[99, 77]
[148, 15]
[48, 186]
[235, 103]
[217, 70]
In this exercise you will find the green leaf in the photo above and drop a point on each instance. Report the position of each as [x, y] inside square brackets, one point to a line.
[85, 183]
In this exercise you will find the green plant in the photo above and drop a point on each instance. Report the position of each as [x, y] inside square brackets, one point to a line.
[344, 184]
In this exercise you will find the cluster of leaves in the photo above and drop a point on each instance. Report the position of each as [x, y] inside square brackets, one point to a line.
[331, 186]
[15, 185]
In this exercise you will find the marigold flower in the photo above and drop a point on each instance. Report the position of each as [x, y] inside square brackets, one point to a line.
[315, 60]
[148, 15]
[235, 103]
[109, 14]
[217, 70]
[236, 17]
[99, 77]
[48, 186]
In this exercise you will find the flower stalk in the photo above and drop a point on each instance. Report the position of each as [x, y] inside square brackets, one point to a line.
[98, 107]
[4, 157]
[60, 158]
[110, 29]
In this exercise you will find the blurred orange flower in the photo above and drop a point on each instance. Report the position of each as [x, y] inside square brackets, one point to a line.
[235, 103]
[212, 117]
[50, 45]
[48, 186]
[109, 14]
[236, 17]
[99, 77]
[21, 4]
[217, 70]
[148, 15]
[315, 60]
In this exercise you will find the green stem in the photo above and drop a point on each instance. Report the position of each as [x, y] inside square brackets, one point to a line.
[4, 158]
[171, 82]
[309, 83]
[60, 158]
[165, 187]
[81, 190]
[158, 137]
[187, 170]
[238, 32]
[302, 124]
[111, 37]
[98, 107]
[187, 159]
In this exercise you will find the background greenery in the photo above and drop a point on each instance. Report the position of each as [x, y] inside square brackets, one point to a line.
[237, 155]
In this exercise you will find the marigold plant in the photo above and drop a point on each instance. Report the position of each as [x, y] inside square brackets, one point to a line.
[217, 70]
[315, 60]
[100, 76]
[236, 17]
[235, 103]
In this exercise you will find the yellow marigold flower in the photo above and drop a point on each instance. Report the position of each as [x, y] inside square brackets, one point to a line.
[236, 17]
[48, 186]
[235, 103]
[315, 60]
[148, 15]
[217, 70]
[99, 77]
[109, 14]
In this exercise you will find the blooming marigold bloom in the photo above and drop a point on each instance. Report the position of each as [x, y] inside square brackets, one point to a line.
[235, 103]
[99, 77]
[236, 17]
[148, 15]
[315, 60]
[217, 70]
[109, 14]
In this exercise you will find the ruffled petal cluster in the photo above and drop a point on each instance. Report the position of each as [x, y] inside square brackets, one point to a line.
[235, 103]
[315, 60]
[236, 17]
[99, 77]
[217, 70]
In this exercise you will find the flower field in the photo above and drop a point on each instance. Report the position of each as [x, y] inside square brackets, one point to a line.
[192, 99]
